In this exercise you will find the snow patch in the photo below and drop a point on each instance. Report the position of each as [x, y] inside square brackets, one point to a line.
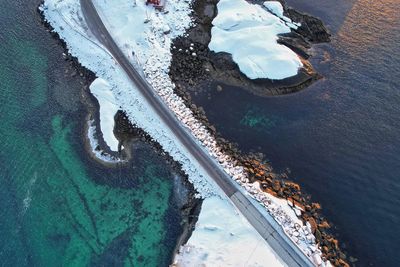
[223, 237]
[276, 8]
[95, 147]
[250, 34]
[108, 108]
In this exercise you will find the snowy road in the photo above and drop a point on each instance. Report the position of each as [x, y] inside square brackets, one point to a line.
[262, 222]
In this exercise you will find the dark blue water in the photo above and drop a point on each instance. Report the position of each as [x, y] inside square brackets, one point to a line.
[341, 137]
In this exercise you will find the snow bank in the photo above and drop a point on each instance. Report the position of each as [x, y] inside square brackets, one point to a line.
[276, 8]
[249, 33]
[95, 147]
[223, 237]
[108, 108]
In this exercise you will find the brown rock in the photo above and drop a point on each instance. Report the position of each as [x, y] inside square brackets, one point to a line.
[316, 206]
[293, 185]
[313, 224]
[276, 186]
[343, 263]
[324, 224]
[269, 191]
[335, 243]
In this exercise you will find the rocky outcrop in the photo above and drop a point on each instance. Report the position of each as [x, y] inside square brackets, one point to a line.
[193, 63]
[278, 185]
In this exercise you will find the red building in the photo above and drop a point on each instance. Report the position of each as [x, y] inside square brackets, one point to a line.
[158, 4]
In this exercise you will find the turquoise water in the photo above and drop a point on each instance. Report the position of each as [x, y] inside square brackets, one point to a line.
[58, 207]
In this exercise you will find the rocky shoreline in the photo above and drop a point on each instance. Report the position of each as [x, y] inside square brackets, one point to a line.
[86, 97]
[127, 133]
[188, 72]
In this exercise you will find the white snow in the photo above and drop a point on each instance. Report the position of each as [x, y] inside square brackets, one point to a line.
[94, 144]
[249, 33]
[223, 237]
[101, 89]
[140, 29]
[276, 8]
[281, 203]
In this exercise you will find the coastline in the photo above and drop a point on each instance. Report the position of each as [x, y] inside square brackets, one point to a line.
[279, 191]
[191, 75]
[188, 72]
[188, 227]
[128, 134]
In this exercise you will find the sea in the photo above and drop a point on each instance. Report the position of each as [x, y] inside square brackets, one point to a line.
[340, 137]
[58, 207]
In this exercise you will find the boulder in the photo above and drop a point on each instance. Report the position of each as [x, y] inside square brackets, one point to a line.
[313, 224]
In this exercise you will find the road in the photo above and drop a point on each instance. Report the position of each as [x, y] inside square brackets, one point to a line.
[265, 225]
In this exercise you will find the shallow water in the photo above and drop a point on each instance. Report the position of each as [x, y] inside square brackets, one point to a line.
[340, 137]
[57, 206]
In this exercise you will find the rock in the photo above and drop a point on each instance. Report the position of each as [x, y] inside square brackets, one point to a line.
[316, 206]
[324, 225]
[293, 185]
[342, 255]
[317, 259]
[335, 243]
[219, 88]
[317, 234]
[343, 263]
[276, 186]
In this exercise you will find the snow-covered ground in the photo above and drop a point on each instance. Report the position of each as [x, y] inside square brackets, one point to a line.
[249, 32]
[100, 88]
[95, 147]
[276, 8]
[148, 33]
[223, 237]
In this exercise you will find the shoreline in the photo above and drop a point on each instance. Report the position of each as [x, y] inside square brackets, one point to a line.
[219, 67]
[191, 210]
[188, 227]
[278, 185]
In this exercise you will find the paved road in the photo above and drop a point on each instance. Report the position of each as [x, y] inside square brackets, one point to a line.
[265, 225]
